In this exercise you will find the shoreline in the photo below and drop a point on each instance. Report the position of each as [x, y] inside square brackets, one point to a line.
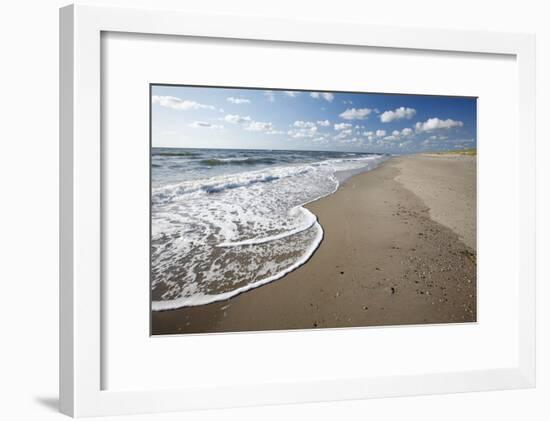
[405, 266]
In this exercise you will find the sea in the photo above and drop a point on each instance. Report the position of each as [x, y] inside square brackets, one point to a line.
[224, 221]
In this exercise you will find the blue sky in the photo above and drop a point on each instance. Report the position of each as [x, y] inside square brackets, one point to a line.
[200, 117]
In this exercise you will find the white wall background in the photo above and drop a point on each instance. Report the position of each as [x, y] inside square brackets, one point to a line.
[29, 188]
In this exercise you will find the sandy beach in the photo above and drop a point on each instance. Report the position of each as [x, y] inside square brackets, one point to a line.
[398, 248]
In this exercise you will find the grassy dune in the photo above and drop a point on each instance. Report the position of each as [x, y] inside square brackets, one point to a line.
[469, 152]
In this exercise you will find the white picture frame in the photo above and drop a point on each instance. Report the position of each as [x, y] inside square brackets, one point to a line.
[81, 319]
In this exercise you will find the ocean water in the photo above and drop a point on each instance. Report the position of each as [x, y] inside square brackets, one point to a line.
[227, 221]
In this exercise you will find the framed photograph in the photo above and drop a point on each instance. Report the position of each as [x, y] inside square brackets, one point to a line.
[259, 211]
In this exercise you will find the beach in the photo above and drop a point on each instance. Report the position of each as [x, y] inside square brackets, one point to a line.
[398, 247]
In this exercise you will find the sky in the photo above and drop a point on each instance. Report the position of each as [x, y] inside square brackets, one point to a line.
[231, 118]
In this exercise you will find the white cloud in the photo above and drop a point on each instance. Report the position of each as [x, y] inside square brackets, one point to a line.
[179, 104]
[378, 134]
[303, 131]
[356, 113]
[392, 137]
[396, 134]
[343, 126]
[259, 126]
[237, 119]
[327, 96]
[274, 132]
[249, 124]
[437, 138]
[303, 124]
[347, 140]
[343, 134]
[397, 114]
[237, 101]
[323, 123]
[292, 94]
[204, 125]
[436, 123]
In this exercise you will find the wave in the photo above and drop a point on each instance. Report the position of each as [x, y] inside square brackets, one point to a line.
[219, 184]
[311, 219]
[202, 299]
[237, 161]
[180, 154]
[165, 195]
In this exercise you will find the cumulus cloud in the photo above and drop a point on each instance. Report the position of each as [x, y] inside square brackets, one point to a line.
[237, 119]
[436, 124]
[356, 113]
[327, 96]
[259, 126]
[304, 129]
[343, 134]
[323, 123]
[436, 139]
[397, 135]
[204, 125]
[237, 101]
[303, 124]
[176, 103]
[391, 138]
[292, 94]
[273, 131]
[346, 139]
[343, 126]
[380, 135]
[249, 124]
[397, 114]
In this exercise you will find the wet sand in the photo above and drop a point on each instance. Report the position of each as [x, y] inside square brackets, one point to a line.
[399, 248]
